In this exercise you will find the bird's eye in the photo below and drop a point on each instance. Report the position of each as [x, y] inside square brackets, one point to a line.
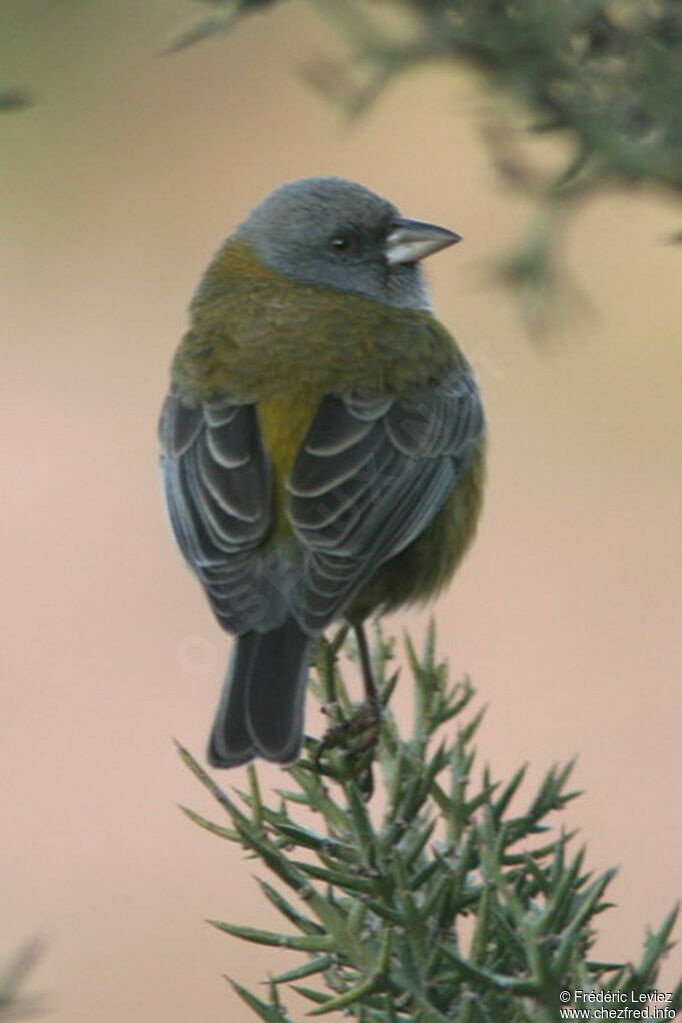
[340, 243]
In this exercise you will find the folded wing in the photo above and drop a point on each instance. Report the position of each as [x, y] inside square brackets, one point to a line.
[218, 490]
[370, 476]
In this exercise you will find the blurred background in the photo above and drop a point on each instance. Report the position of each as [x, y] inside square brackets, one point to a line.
[119, 183]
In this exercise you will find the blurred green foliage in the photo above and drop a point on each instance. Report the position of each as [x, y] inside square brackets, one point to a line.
[14, 1004]
[14, 99]
[607, 71]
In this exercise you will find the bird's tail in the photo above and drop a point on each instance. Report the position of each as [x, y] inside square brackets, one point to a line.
[261, 708]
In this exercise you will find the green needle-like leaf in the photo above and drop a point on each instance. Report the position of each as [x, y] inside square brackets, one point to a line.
[270, 1013]
[288, 910]
[301, 943]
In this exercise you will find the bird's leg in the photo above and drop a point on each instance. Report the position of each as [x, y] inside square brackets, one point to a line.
[371, 694]
[359, 733]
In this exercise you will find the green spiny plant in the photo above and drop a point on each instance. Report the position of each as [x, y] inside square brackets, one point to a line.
[375, 898]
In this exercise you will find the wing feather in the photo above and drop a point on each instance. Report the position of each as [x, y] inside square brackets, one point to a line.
[218, 491]
[371, 494]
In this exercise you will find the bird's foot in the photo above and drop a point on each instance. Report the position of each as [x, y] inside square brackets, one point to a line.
[356, 738]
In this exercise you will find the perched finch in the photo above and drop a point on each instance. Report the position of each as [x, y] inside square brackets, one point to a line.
[322, 442]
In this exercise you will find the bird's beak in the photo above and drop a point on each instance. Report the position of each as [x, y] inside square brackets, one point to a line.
[410, 240]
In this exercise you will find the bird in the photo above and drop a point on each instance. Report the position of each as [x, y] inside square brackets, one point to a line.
[322, 443]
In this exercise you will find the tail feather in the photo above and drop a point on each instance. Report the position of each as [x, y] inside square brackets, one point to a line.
[230, 743]
[261, 709]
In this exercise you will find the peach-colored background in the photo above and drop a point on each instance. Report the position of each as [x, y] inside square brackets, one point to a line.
[122, 180]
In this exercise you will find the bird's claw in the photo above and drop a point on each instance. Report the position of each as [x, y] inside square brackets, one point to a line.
[356, 738]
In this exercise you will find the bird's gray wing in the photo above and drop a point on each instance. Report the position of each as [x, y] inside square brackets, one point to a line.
[370, 476]
[218, 492]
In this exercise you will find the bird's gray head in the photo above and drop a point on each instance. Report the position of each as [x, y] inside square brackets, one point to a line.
[336, 233]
